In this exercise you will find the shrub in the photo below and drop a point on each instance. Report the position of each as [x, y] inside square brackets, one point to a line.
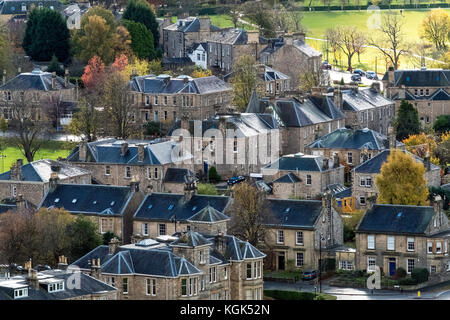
[400, 273]
[213, 175]
[207, 188]
[407, 281]
[420, 274]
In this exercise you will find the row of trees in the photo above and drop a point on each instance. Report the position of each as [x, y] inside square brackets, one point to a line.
[45, 235]
[46, 34]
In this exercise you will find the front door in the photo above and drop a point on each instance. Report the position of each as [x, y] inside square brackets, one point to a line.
[392, 266]
[281, 261]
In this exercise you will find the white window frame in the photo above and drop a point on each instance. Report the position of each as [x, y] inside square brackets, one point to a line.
[297, 236]
[350, 157]
[308, 179]
[407, 265]
[371, 241]
[145, 229]
[429, 246]
[159, 229]
[439, 247]
[371, 267]
[391, 243]
[280, 234]
[408, 241]
[297, 260]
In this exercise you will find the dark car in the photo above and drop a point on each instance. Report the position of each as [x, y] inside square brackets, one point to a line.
[309, 274]
[356, 77]
[360, 72]
[326, 65]
[234, 180]
[42, 267]
[371, 75]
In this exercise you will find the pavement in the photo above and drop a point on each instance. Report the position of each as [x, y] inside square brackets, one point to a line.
[359, 293]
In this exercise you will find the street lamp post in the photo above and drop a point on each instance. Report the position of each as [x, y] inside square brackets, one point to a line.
[320, 262]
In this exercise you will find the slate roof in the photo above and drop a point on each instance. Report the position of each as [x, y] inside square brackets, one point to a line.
[244, 124]
[306, 49]
[7, 207]
[344, 138]
[422, 78]
[229, 36]
[294, 113]
[15, 6]
[439, 95]
[288, 178]
[89, 285]
[110, 151]
[168, 206]
[208, 215]
[363, 99]
[374, 165]
[297, 162]
[190, 24]
[446, 186]
[40, 171]
[396, 219]
[237, 250]
[296, 213]
[190, 239]
[35, 80]
[165, 84]
[177, 175]
[92, 199]
[153, 262]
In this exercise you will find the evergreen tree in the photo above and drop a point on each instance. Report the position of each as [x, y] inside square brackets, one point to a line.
[46, 35]
[140, 11]
[141, 40]
[407, 121]
[55, 67]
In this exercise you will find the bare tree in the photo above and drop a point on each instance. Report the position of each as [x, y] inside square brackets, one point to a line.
[27, 122]
[312, 76]
[295, 18]
[86, 120]
[117, 106]
[234, 14]
[391, 40]
[349, 40]
[249, 214]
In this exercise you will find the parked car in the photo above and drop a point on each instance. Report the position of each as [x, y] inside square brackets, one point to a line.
[356, 77]
[360, 72]
[326, 65]
[309, 274]
[371, 75]
[42, 267]
[234, 180]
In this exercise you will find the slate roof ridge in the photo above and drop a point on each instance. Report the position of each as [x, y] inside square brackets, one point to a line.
[400, 205]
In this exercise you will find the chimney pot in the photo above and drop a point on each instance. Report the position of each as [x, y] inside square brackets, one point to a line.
[124, 147]
[82, 151]
[141, 152]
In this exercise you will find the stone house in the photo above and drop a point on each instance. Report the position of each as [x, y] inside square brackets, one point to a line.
[400, 236]
[53, 285]
[292, 56]
[44, 89]
[301, 121]
[303, 230]
[118, 162]
[426, 89]
[33, 180]
[162, 214]
[193, 265]
[73, 14]
[23, 7]
[198, 53]
[235, 144]
[165, 99]
[110, 207]
[364, 175]
[305, 176]
[365, 108]
[352, 146]
[227, 45]
[179, 37]
[274, 83]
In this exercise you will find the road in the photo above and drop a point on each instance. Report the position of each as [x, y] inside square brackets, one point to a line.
[358, 294]
[338, 75]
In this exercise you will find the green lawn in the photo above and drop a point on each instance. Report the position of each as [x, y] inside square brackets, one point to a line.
[50, 150]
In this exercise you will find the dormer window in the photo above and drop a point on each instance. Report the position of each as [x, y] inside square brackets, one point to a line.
[24, 7]
[56, 287]
[20, 293]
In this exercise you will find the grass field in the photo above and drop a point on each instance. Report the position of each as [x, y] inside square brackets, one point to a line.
[50, 150]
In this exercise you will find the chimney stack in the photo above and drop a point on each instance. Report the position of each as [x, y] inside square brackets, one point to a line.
[391, 137]
[113, 245]
[337, 97]
[20, 203]
[53, 181]
[335, 160]
[124, 147]
[325, 164]
[4, 77]
[53, 80]
[427, 162]
[134, 185]
[82, 151]
[16, 171]
[66, 78]
[141, 152]
[376, 86]
[32, 279]
[62, 263]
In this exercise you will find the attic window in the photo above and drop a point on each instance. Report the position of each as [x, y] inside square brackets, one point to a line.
[407, 78]
[56, 200]
[194, 208]
[171, 207]
[74, 200]
[150, 206]
[112, 203]
[287, 210]
[55, 287]
[94, 202]
[399, 215]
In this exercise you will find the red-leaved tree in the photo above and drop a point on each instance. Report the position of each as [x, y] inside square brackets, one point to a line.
[120, 63]
[93, 74]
